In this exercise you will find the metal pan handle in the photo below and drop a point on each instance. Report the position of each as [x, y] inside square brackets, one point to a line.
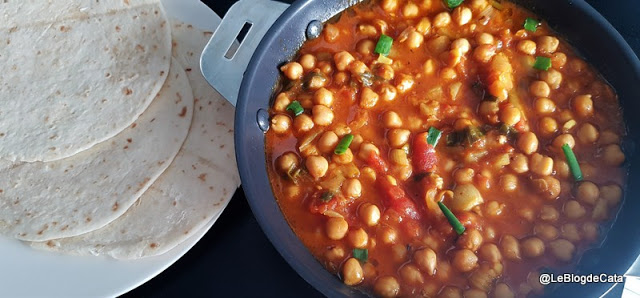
[224, 69]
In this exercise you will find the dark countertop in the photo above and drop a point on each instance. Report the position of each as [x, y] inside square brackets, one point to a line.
[236, 259]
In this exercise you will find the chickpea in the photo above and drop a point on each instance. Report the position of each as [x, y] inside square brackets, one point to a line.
[573, 209]
[587, 192]
[388, 92]
[562, 139]
[484, 53]
[322, 115]
[367, 30]
[426, 259]
[366, 149]
[590, 230]
[352, 273]
[548, 186]
[424, 26]
[448, 73]
[474, 293]
[532, 247]
[399, 253]
[548, 44]
[600, 210]
[411, 274]
[611, 193]
[539, 89]
[323, 97]
[489, 252]
[387, 286]
[464, 260]
[327, 142]
[388, 235]
[583, 105]
[307, 61]
[613, 155]
[368, 98]
[479, 5]
[549, 213]
[570, 232]
[544, 105]
[414, 40]
[439, 44]
[526, 213]
[587, 133]
[471, 240]
[398, 137]
[528, 143]
[502, 290]
[552, 77]
[509, 182]
[510, 115]
[562, 249]
[384, 71]
[335, 253]
[510, 247]
[369, 214]
[430, 288]
[462, 45]
[292, 70]
[391, 119]
[519, 163]
[545, 231]
[365, 47]
[541, 165]
[548, 126]
[464, 175]
[281, 102]
[442, 19]
[337, 228]
[399, 157]
[303, 123]
[577, 66]
[358, 238]
[389, 5]
[280, 123]
[343, 60]
[331, 33]
[527, 47]
[286, 162]
[484, 39]
[450, 292]
[462, 15]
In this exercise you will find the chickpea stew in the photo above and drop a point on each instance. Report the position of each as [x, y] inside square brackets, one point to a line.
[444, 148]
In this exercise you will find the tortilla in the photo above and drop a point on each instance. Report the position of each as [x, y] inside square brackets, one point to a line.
[192, 191]
[76, 73]
[42, 201]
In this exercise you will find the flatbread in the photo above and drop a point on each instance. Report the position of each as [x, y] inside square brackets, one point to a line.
[193, 190]
[41, 201]
[76, 73]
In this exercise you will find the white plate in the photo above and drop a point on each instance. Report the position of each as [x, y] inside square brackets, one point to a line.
[26, 272]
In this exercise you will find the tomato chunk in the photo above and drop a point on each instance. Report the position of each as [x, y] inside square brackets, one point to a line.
[395, 198]
[377, 163]
[424, 155]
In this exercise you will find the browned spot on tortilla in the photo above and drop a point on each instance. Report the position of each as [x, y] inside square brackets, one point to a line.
[115, 206]
[53, 137]
[50, 243]
[193, 167]
[88, 219]
[207, 33]
[175, 203]
[186, 232]
[155, 12]
[179, 97]
[1, 191]
[127, 91]
[154, 119]
[8, 41]
[126, 147]
[129, 140]
[220, 123]
[134, 125]
[161, 163]
[203, 177]
[13, 29]
[162, 73]
[153, 245]
[183, 112]
[122, 231]
[210, 187]
[126, 2]
[55, 223]
[221, 146]
[117, 28]
[146, 179]
[1, 134]
[65, 28]
[188, 69]
[140, 48]
[23, 234]
[64, 228]
[189, 26]
[162, 24]
[174, 43]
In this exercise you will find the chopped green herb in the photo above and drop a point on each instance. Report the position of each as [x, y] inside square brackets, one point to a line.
[326, 196]
[453, 221]
[433, 136]
[508, 131]
[295, 107]
[574, 167]
[542, 63]
[362, 254]
[453, 3]
[531, 24]
[343, 145]
[384, 45]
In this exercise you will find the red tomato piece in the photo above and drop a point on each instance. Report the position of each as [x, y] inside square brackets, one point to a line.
[395, 198]
[377, 163]
[424, 155]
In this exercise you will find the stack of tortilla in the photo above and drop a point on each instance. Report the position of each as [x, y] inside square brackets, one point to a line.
[111, 141]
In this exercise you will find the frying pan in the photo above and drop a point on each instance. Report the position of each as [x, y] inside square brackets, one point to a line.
[275, 35]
